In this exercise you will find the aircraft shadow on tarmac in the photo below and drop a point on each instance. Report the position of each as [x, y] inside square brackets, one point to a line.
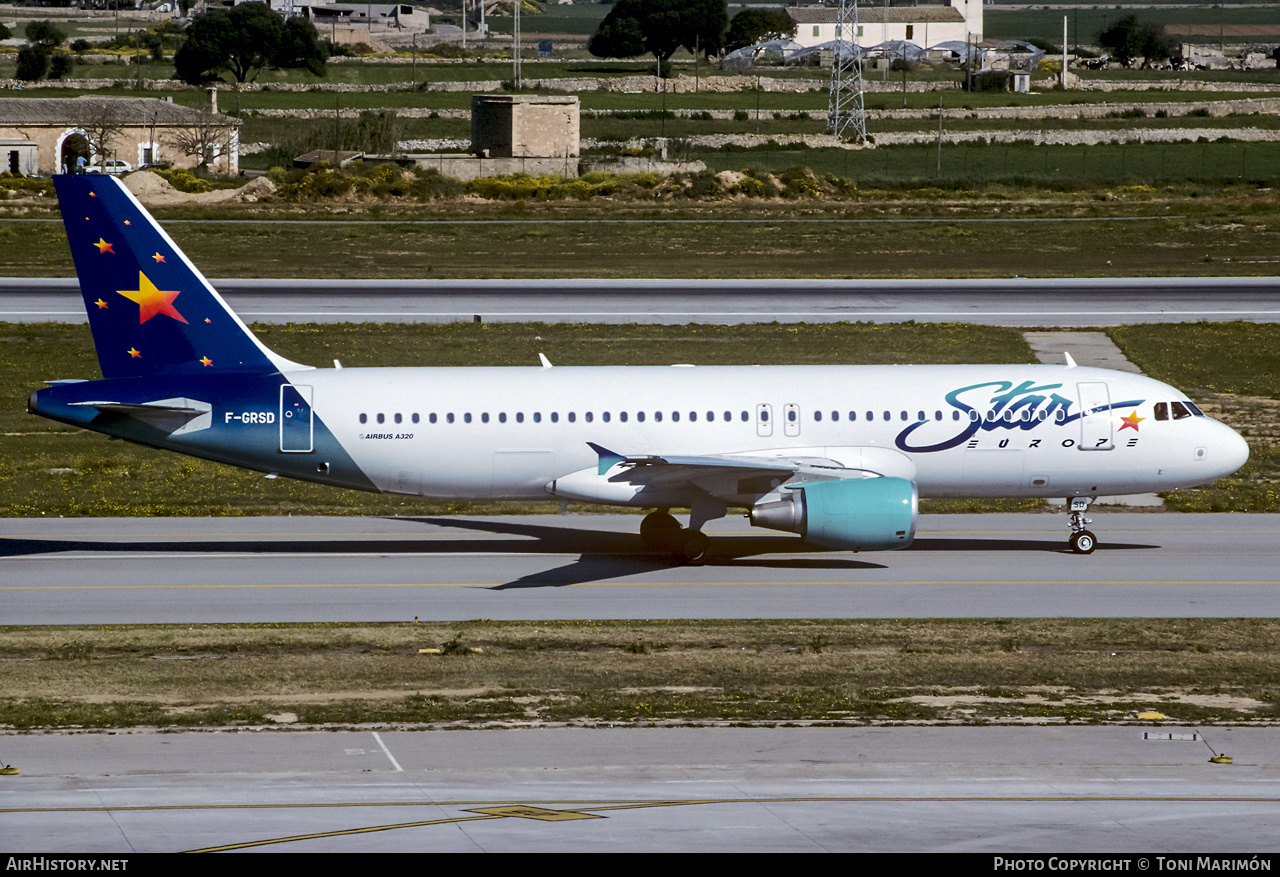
[602, 554]
[608, 554]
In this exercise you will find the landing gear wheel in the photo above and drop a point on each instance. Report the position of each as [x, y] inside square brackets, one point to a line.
[659, 530]
[691, 546]
[1083, 542]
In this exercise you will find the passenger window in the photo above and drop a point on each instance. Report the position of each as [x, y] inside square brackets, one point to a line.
[640, 416]
[745, 417]
[432, 417]
[415, 418]
[605, 417]
[589, 416]
[728, 416]
[693, 416]
[675, 416]
[382, 418]
[573, 417]
[467, 417]
[657, 416]
[484, 418]
[888, 416]
[399, 419]
[537, 417]
[555, 416]
[920, 415]
[449, 417]
[519, 417]
[817, 415]
[622, 415]
[853, 415]
[502, 417]
[364, 418]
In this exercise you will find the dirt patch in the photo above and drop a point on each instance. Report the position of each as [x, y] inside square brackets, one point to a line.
[155, 191]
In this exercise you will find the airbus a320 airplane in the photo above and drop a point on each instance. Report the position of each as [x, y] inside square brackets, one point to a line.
[838, 454]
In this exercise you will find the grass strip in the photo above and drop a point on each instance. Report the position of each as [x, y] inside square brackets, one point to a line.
[1048, 671]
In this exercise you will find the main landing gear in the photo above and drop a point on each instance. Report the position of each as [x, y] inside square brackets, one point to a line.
[661, 532]
[1082, 541]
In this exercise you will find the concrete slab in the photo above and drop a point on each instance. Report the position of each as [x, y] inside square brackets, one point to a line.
[1086, 348]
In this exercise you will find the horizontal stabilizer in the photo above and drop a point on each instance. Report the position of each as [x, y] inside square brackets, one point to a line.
[172, 416]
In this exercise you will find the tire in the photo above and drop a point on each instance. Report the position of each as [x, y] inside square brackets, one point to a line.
[1083, 542]
[692, 546]
[659, 530]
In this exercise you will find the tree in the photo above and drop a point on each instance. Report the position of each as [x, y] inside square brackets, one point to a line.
[242, 41]
[204, 138]
[33, 63]
[660, 27]
[45, 34]
[102, 121]
[5, 33]
[33, 59]
[1129, 38]
[751, 26]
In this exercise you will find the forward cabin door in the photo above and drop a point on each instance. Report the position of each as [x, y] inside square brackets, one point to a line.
[1095, 416]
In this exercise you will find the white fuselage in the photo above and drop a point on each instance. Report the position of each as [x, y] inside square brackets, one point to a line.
[984, 430]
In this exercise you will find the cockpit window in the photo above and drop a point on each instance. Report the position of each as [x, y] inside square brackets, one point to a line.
[1193, 409]
[1180, 411]
[1162, 411]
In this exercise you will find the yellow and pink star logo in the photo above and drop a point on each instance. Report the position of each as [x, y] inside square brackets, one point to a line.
[1130, 422]
[152, 301]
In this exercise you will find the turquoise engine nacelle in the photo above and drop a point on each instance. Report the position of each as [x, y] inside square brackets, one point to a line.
[865, 514]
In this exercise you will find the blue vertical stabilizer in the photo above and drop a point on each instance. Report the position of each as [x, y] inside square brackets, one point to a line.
[151, 311]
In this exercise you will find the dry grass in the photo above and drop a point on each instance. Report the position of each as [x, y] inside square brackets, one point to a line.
[1055, 670]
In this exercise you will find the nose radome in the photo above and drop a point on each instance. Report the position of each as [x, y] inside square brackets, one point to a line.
[1229, 450]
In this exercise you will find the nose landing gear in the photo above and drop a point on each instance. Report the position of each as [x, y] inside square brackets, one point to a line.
[1082, 541]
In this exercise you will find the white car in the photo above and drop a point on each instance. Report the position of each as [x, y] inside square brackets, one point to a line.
[110, 166]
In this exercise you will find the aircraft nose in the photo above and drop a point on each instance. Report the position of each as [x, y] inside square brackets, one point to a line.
[1232, 449]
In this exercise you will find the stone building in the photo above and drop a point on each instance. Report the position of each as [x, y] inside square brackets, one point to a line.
[48, 135]
[925, 25]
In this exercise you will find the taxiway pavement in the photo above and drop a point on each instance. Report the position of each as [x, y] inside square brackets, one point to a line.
[1007, 302]
[1096, 790]
[152, 570]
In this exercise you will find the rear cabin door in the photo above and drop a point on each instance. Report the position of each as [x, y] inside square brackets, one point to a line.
[295, 419]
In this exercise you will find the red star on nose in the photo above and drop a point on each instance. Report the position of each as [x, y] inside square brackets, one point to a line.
[1131, 422]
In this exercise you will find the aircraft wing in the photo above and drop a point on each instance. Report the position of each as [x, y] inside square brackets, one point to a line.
[714, 472]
